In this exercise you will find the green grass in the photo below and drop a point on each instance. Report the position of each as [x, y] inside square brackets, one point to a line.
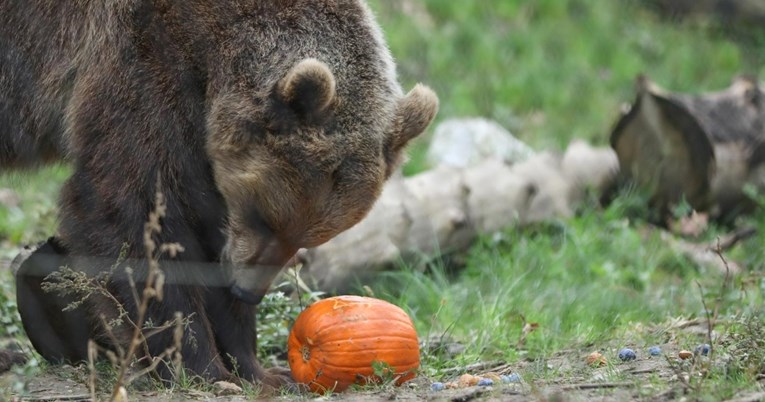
[552, 70]
[34, 219]
[581, 285]
[596, 282]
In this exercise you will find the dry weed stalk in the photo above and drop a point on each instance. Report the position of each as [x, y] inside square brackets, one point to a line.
[711, 318]
[67, 281]
[153, 290]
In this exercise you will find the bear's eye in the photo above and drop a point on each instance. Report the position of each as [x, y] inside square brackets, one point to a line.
[255, 130]
[257, 223]
[339, 176]
[336, 175]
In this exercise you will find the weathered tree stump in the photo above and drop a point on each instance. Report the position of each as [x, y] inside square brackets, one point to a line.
[699, 148]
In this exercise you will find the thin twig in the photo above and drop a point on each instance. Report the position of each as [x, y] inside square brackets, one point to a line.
[155, 360]
[685, 382]
[154, 278]
[598, 385]
[709, 330]
[473, 367]
[505, 368]
[643, 371]
[730, 240]
[62, 397]
[112, 337]
[92, 356]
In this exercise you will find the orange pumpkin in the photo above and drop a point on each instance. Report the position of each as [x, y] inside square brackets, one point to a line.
[335, 343]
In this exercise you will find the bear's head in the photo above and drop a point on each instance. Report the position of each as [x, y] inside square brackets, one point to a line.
[306, 121]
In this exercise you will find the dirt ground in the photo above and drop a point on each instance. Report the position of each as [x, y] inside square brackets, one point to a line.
[659, 378]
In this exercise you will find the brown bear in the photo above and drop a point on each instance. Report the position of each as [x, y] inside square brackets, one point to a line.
[267, 125]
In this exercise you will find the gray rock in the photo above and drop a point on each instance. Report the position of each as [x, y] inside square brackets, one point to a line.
[225, 388]
[466, 142]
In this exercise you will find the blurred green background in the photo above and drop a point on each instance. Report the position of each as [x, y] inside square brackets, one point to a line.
[552, 70]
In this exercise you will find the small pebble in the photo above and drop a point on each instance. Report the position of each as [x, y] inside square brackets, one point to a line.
[437, 386]
[703, 349]
[596, 359]
[485, 382]
[627, 354]
[514, 377]
[654, 350]
[684, 354]
[225, 388]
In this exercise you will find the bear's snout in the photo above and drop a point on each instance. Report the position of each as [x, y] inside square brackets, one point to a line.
[250, 281]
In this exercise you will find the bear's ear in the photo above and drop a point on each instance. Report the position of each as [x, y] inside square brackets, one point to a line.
[308, 88]
[414, 112]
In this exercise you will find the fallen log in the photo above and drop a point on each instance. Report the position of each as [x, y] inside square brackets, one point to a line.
[444, 209]
[703, 149]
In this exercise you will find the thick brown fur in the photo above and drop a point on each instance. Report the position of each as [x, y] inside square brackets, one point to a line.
[271, 125]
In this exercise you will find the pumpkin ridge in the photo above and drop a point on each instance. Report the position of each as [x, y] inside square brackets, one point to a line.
[362, 343]
[378, 351]
[335, 326]
[370, 337]
[346, 368]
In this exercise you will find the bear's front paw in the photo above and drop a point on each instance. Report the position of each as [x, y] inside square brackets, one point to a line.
[279, 378]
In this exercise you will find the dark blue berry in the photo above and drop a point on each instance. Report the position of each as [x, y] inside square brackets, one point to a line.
[703, 349]
[485, 382]
[437, 386]
[514, 377]
[654, 350]
[627, 354]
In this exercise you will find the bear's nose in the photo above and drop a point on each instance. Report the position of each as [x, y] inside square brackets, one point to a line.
[251, 281]
[298, 258]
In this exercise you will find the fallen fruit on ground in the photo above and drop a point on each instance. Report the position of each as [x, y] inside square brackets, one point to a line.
[596, 359]
[346, 340]
[468, 380]
[684, 354]
[514, 377]
[654, 350]
[703, 349]
[627, 354]
[485, 382]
